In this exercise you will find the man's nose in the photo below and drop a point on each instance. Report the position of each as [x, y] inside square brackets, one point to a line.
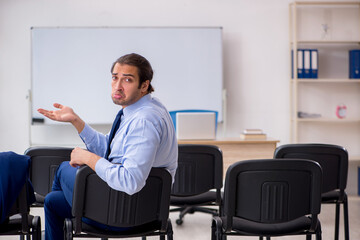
[118, 85]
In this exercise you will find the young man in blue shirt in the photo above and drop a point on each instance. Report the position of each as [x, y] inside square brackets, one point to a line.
[144, 139]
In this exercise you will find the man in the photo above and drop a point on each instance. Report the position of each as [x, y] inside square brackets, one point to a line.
[145, 139]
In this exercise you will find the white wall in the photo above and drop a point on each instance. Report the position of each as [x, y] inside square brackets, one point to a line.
[256, 59]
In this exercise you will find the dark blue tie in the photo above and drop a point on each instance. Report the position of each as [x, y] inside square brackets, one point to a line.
[114, 128]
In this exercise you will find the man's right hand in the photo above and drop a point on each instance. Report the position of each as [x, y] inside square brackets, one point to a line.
[64, 114]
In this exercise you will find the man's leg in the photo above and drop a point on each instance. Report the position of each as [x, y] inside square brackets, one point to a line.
[64, 180]
[56, 210]
[58, 203]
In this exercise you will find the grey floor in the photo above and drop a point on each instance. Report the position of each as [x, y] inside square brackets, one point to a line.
[197, 226]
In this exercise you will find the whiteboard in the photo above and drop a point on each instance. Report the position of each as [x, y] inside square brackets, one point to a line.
[71, 66]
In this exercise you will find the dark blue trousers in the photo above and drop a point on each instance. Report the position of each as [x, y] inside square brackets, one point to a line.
[58, 202]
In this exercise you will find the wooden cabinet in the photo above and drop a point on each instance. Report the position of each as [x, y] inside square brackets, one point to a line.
[235, 149]
[332, 28]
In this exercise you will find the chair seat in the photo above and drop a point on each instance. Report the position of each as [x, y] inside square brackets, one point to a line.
[295, 226]
[204, 198]
[133, 231]
[331, 197]
[13, 224]
[39, 199]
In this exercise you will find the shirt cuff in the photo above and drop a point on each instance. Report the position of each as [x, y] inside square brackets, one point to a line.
[100, 168]
[86, 133]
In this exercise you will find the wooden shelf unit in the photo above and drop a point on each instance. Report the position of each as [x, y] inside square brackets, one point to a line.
[321, 95]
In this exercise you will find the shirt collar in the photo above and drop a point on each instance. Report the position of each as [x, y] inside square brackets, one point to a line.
[133, 107]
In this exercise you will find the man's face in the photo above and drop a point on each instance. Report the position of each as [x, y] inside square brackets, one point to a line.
[125, 85]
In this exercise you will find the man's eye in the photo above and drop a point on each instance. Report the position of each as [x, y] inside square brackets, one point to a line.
[128, 79]
[113, 77]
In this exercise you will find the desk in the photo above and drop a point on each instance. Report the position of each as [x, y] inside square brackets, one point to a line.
[235, 149]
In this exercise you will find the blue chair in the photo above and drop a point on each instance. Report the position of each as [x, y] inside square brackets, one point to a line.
[173, 114]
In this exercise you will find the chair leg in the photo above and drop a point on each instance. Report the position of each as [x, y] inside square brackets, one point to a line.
[318, 236]
[213, 230]
[169, 231]
[186, 210]
[68, 235]
[346, 218]
[318, 232]
[36, 228]
[337, 220]
[216, 229]
[214, 212]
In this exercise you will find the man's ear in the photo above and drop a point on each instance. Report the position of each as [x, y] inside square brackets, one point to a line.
[145, 86]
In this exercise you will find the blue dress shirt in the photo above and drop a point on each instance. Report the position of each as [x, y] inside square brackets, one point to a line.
[145, 139]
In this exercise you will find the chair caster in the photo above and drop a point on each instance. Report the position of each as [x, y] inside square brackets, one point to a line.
[179, 221]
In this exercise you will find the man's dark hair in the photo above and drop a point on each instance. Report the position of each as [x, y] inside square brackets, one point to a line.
[143, 66]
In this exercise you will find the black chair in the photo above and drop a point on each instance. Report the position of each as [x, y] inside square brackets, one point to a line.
[19, 221]
[334, 161]
[44, 162]
[145, 213]
[270, 197]
[198, 180]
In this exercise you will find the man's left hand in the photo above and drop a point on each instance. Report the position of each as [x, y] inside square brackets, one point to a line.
[81, 156]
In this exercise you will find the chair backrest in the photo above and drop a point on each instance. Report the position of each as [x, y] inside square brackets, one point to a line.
[200, 169]
[272, 190]
[333, 160]
[94, 199]
[44, 162]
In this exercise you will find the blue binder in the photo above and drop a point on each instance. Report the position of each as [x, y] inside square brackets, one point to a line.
[314, 63]
[354, 63]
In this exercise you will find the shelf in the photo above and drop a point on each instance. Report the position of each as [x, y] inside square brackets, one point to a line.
[326, 3]
[357, 42]
[329, 120]
[326, 80]
[333, 29]
[354, 158]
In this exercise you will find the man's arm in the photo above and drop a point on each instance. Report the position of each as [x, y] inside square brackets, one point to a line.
[64, 114]
[133, 158]
[80, 157]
